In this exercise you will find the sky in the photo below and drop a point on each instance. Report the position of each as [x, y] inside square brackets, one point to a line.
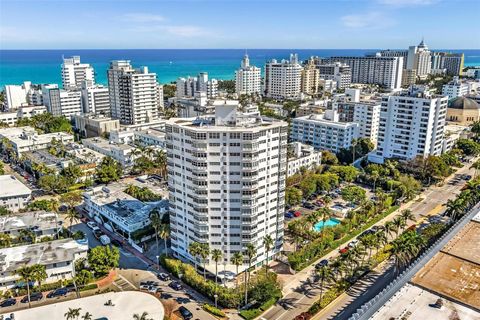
[316, 24]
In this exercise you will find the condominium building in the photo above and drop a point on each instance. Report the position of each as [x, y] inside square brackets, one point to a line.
[122, 153]
[133, 93]
[384, 71]
[248, 78]
[419, 59]
[367, 115]
[412, 124]
[310, 77]
[95, 99]
[227, 183]
[452, 63]
[94, 126]
[340, 73]
[41, 223]
[188, 87]
[324, 131]
[74, 73]
[16, 96]
[14, 195]
[160, 97]
[283, 79]
[396, 53]
[57, 256]
[455, 88]
[61, 102]
[302, 156]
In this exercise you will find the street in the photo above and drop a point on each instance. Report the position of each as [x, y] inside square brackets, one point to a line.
[301, 293]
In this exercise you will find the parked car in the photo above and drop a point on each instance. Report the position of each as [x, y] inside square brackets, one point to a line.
[185, 313]
[8, 302]
[116, 243]
[92, 225]
[57, 293]
[182, 300]
[36, 296]
[144, 286]
[297, 214]
[289, 215]
[321, 264]
[175, 285]
[98, 233]
[353, 243]
[163, 276]
[344, 250]
[104, 239]
[308, 205]
[165, 296]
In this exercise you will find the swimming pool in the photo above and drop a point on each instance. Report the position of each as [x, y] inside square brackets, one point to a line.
[329, 223]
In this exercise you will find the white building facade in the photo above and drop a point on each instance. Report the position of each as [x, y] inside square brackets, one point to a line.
[455, 88]
[324, 132]
[227, 183]
[367, 115]
[133, 93]
[95, 99]
[302, 156]
[283, 79]
[412, 123]
[248, 78]
[74, 73]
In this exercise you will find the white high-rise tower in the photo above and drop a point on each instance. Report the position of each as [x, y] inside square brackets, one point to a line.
[75, 73]
[247, 78]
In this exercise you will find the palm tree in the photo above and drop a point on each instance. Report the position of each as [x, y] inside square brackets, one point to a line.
[399, 223]
[407, 214]
[389, 228]
[143, 316]
[26, 275]
[268, 244]
[5, 240]
[164, 233]
[156, 222]
[71, 216]
[326, 214]
[194, 249]
[87, 316]
[251, 252]
[216, 256]
[325, 273]
[374, 176]
[72, 313]
[204, 253]
[39, 273]
[237, 260]
[476, 166]
[454, 208]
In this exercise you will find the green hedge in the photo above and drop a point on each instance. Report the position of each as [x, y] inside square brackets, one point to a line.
[215, 311]
[89, 287]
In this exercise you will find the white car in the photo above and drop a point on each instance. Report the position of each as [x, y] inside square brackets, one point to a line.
[92, 225]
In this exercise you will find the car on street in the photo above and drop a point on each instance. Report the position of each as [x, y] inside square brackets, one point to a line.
[182, 300]
[152, 289]
[8, 302]
[36, 296]
[321, 264]
[163, 276]
[185, 313]
[297, 214]
[144, 286]
[308, 205]
[57, 293]
[175, 285]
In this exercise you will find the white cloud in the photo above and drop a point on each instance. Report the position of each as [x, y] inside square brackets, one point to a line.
[406, 3]
[372, 20]
[143, 17]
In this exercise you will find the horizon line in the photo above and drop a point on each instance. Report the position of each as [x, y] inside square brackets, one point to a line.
[243, 49]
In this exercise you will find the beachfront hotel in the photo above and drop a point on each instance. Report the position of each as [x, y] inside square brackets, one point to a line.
[247, 79]
[283, 79]
[226, 178]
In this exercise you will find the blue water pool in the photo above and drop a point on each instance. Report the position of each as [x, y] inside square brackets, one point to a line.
[329, 223]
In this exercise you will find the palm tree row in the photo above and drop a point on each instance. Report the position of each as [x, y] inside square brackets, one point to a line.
[29, 274]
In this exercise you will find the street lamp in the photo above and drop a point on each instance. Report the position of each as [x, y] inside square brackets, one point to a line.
[216, 296]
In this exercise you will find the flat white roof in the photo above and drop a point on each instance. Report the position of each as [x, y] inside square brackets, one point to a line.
[127, 303]
[11, 187]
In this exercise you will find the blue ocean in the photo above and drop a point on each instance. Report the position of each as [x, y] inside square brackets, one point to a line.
[43, 66]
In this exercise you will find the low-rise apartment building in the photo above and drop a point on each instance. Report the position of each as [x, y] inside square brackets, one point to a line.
[14, 195]
[302, 156]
